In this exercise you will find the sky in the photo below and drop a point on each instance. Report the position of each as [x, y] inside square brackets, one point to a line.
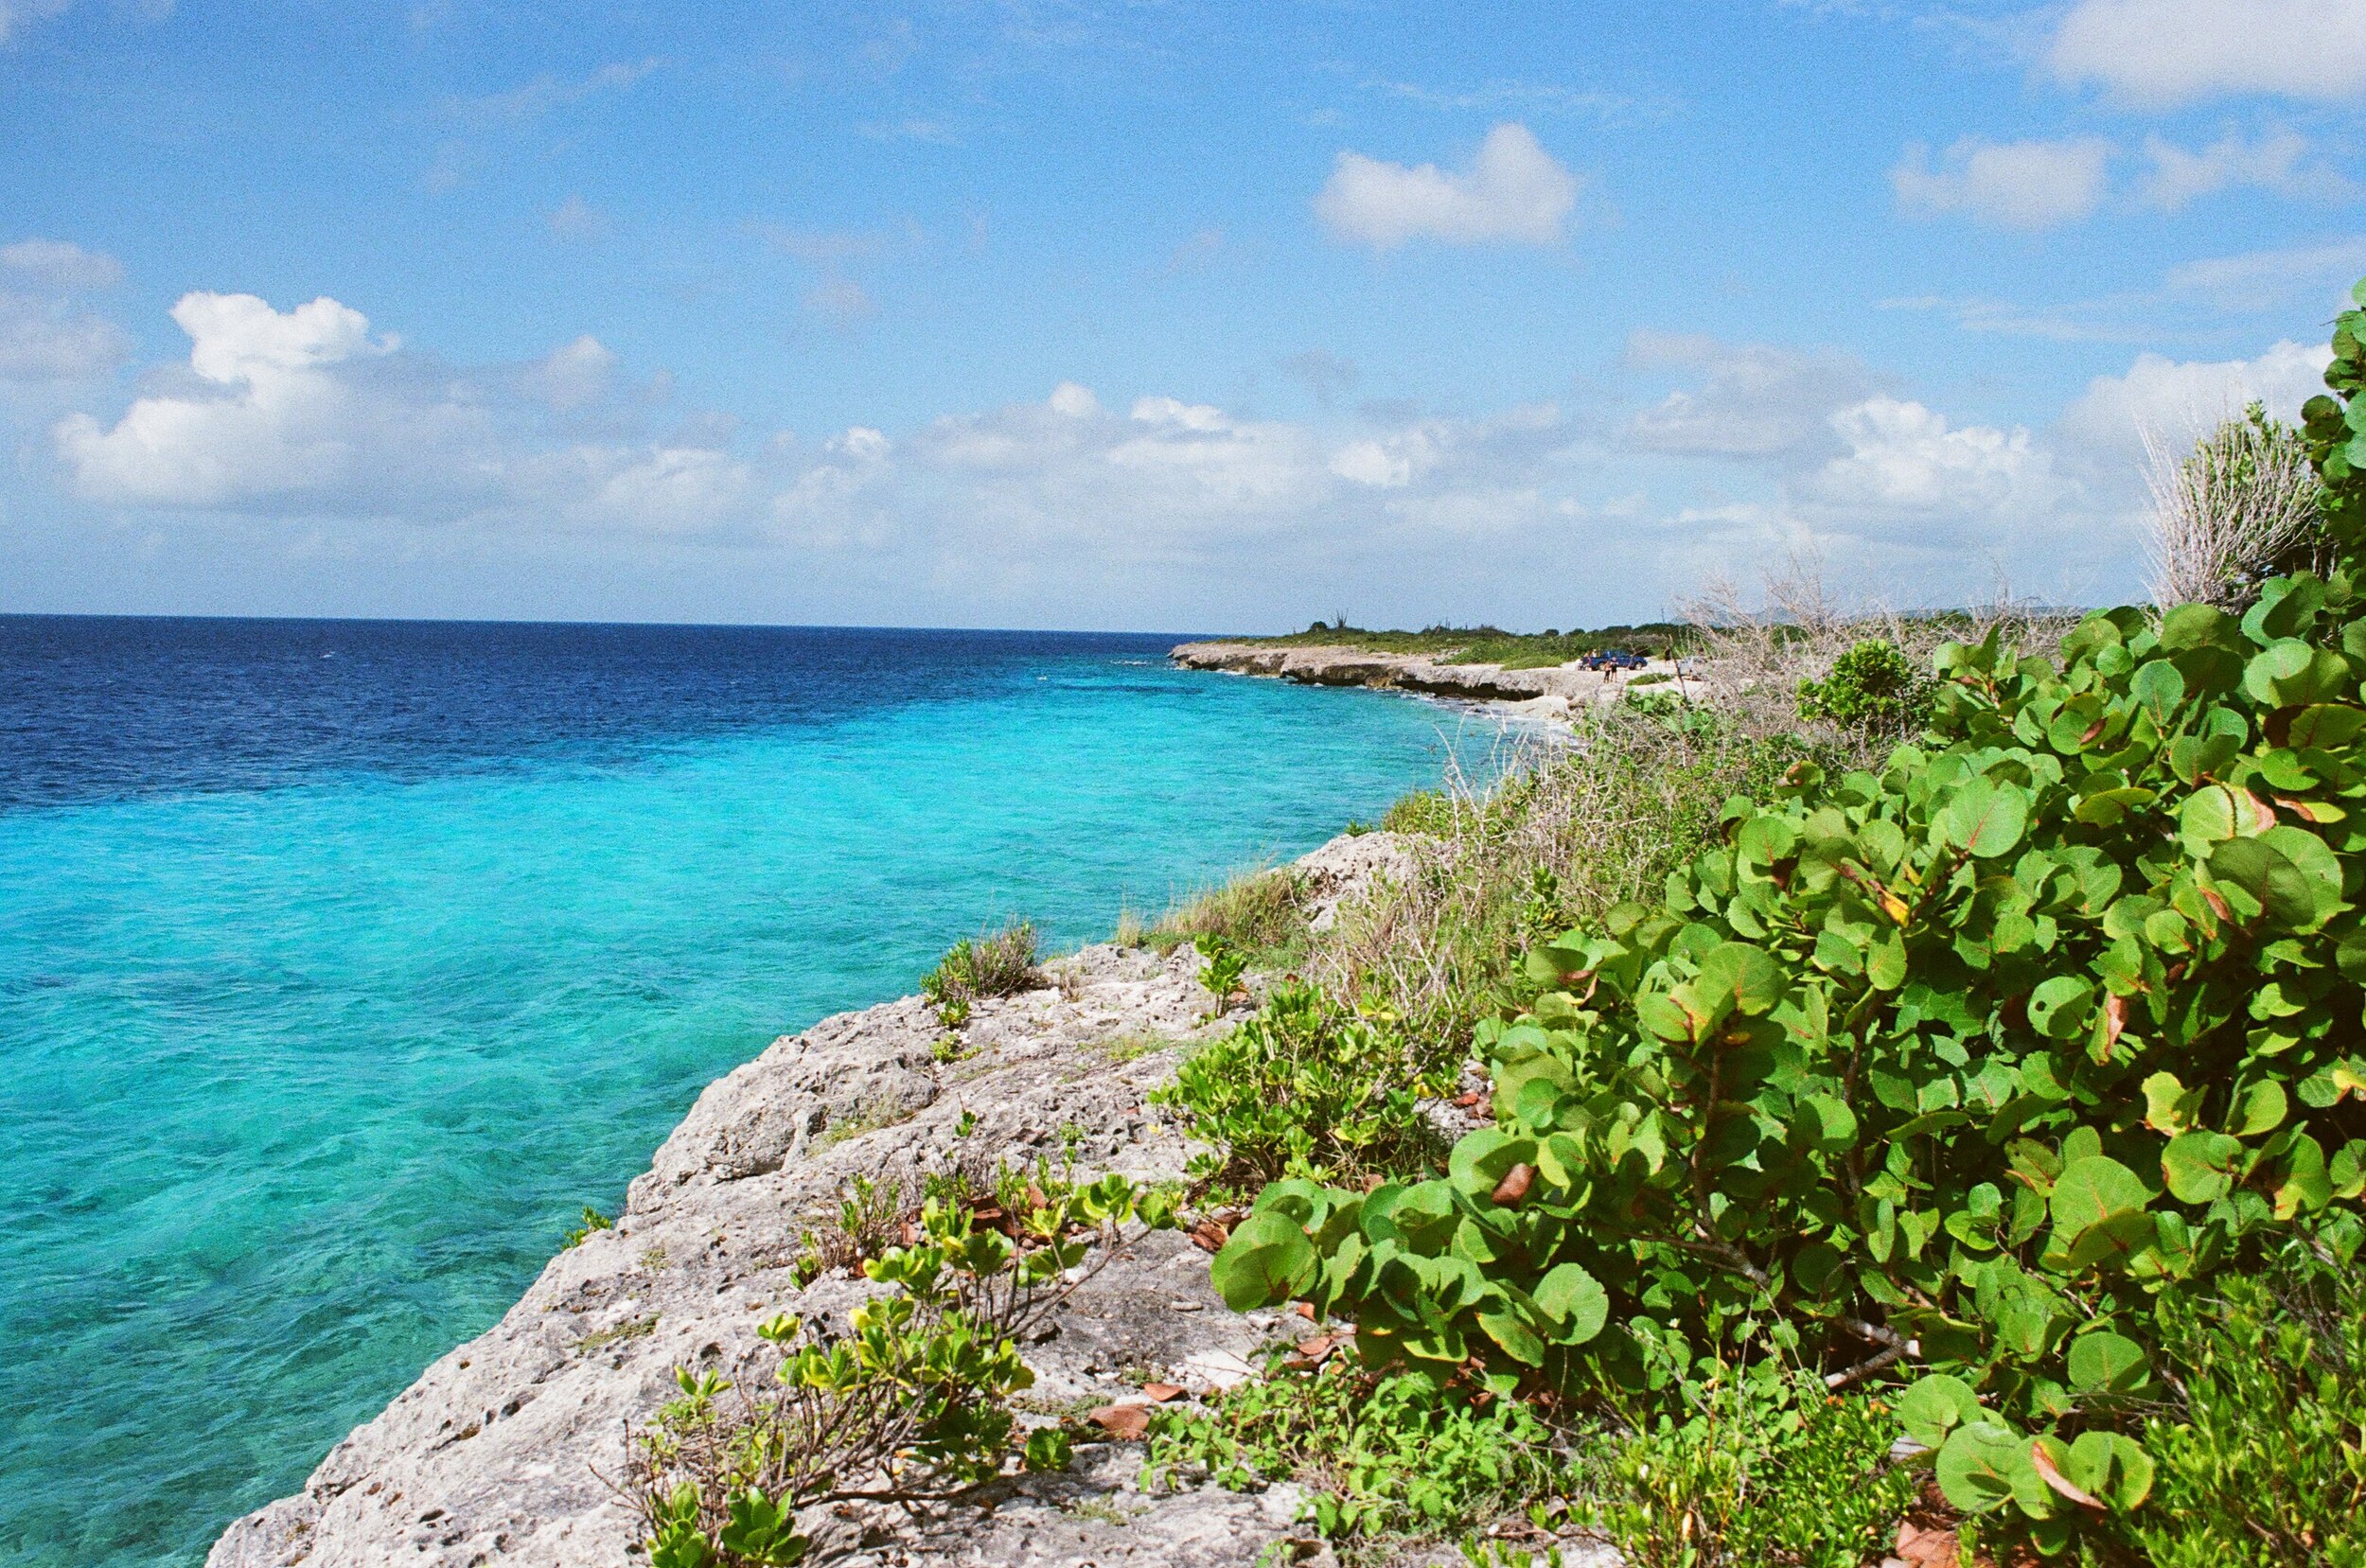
[1159, 315]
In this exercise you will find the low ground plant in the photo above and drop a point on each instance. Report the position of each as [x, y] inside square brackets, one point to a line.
[1308, 1087]
[911, 1404]
[998, 963]
[592, 1220]
[1960, 1070]
[1722, 1467]
[2260, 1458]
[1380, 1456]
[1256, 912]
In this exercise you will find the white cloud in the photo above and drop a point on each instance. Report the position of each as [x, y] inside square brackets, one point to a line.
[2027, 185]
[59, 264]
[305, 412]
[573, 374]
[545, 92]
[840, 301]
[2257, 277]
[2176, 402]
[1759, 400]
[15, 15]
[1905, 458]
[576, 219]
[44, 337]
[1514, 192]
[43, 340]
[2165, 52]
[2274, 162]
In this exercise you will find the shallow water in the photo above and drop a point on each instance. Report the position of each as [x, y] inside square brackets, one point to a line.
[341, 963]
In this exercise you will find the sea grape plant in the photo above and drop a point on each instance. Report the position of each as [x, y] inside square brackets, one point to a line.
[1872, 687]
[1947, 1072]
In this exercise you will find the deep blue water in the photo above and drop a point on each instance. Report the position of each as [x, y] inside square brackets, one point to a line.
[341, 963]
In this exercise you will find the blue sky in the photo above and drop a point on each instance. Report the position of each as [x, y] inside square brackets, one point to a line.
[1161, 315]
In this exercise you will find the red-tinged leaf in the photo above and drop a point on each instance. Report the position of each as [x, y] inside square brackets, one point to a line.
[1160, 1393]
[2115, 1021]
[1318, 1346]
[2061, 1483]
[1514, 1185]
[1124, 1424]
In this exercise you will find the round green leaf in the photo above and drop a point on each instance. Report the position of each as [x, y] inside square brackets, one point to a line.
[2268, 876]
[1268, 1259]
[1575, 1302]
[2091, 1190]
[2261, 1109]
[1825, 1123]
[1980, 1464]
[2060, 1006]
[2199, 1166]
[2106, 1362]
[1986, 818]
[2112, 1467]
[1936, 1407]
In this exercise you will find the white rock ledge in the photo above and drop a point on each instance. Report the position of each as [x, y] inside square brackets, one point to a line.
[497, 1452]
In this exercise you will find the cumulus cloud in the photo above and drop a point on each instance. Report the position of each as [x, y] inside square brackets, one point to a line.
[2178, 401]
[2029, 185]
[1904, 458]
[2159, 53]
[1514, 192]
[2272, 162]
[306, 412]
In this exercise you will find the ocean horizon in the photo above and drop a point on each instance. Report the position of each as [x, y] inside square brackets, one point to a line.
[343, 961]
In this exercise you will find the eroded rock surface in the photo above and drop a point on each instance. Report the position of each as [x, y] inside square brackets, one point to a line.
[1548, 693]
[502, 1451]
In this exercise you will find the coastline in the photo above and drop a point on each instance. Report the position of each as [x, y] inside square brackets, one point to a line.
[501, 1450]
[1550, 694]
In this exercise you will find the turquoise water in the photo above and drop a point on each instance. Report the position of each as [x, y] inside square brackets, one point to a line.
[303, 1082]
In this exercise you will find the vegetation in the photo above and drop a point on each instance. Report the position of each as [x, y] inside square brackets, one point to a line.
[1378, 1455]
[2236, 510]
[1513, 650]
[1725, 1466]
[999, 963]
[1256, 912]
[592, 1220]
[910, 1404]
[1308, 1089]
[1988, 1071]
[1873, 688]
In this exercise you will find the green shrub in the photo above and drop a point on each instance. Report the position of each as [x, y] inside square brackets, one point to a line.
[1306, 1088]
[592, 1220]
[911, 1404]
[1958, 1069]
[1386, 1455]
[2263, 1464]
[1872, 687]
[1000, 963]
[1422, 811]
[1734, 1468]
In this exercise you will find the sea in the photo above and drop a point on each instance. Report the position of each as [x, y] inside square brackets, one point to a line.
[343, 962]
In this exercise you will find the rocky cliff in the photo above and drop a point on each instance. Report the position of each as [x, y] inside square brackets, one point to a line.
[503, 1450]
[1552, 692]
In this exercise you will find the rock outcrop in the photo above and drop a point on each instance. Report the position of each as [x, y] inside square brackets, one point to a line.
[1552, 692]
[503, 1452]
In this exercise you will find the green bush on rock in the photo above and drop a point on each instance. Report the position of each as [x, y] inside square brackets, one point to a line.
[1957, 1070]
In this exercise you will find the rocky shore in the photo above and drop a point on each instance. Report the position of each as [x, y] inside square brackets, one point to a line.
[1552, 693]
[503, 1452]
